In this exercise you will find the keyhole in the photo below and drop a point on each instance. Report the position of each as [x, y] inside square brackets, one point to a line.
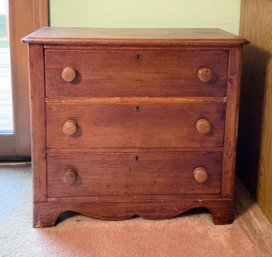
[138, 56]
[136, 158]
[137, 108]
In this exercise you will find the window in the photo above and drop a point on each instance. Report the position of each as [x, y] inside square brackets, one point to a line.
[24, 16]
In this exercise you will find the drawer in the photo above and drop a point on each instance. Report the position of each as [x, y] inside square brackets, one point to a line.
[127, 125]
[135, 72]
[112, 174]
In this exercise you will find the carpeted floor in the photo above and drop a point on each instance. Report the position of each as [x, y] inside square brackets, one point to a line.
[188, 235]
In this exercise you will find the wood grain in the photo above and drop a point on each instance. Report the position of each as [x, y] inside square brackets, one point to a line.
[41, 13]
[135, 72]
[38, 144]
[151, 37]
[133, 174]
[136, 101]
[231, 125]
[140, 100]
[25, 16]
[133, 198]
[135, 125]
[134, 150]
[46, 214]
[255, 135]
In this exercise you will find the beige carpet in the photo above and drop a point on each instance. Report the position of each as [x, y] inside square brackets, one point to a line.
[188, 235]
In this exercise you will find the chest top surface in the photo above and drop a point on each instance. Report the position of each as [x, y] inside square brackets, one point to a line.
[133, 36]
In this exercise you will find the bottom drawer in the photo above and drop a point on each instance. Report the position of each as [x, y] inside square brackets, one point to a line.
[111, 174]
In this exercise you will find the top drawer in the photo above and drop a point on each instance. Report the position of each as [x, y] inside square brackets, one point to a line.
[108, 72]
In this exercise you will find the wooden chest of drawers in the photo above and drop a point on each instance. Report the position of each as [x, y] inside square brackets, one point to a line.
[132, 122]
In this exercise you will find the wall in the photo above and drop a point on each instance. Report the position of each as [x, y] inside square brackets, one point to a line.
[255, 133]
[223, 14]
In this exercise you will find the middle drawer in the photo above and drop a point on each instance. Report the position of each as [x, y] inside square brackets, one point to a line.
[127, 125]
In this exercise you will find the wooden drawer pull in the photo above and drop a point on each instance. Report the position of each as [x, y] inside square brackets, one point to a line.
[203, 126]
[69, 128]
[70, 176]
[68, 74]
[205, 74]
[200, 175]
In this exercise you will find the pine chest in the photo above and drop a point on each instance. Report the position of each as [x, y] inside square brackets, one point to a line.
[132, 122]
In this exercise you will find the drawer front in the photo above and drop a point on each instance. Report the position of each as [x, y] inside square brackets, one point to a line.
[135, 72]
[134, 125]
[132, 174]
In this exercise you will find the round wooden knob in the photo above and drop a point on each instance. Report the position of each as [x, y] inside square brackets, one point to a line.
[205, 74]
[68, 74]
[200, 175]
[203, 126]
[69, 127]
[70, 176]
